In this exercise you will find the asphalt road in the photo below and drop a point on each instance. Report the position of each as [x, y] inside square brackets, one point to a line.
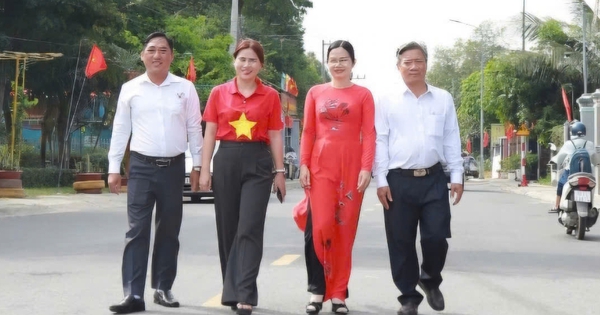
[507, 256]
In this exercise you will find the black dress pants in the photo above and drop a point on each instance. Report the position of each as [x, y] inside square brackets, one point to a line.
[150, 185]
[423, 202]
[242, 181]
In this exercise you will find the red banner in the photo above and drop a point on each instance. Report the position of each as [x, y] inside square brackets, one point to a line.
[191, 72]
[567, 105]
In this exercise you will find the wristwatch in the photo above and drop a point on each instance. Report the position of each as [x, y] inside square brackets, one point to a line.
[282, 170]
[197, 168]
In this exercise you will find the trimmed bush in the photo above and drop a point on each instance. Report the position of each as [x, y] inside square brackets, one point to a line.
[46, 177]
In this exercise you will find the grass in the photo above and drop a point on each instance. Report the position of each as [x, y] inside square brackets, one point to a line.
[545, 181]
[49, 191]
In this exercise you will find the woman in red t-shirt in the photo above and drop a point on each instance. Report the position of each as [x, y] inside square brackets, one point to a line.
[245, 116]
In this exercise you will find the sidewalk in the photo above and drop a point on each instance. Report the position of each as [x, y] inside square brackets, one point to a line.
[534, 190]
[10, 207]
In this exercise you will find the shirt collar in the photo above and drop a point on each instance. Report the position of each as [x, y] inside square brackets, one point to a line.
[404, 89]
[233, 89]
[171, 78]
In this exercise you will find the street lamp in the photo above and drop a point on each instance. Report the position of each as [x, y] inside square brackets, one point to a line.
[480, 102]
[323, 72]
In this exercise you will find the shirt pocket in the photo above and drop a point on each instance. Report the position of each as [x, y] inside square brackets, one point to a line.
[176, 105]
[435, 125]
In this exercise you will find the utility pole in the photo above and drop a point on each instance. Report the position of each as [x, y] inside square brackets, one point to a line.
[323, 72]
[233, 29]
[523, 48]
[584, 48]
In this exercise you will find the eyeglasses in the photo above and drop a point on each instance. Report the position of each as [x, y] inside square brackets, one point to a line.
[341, 61]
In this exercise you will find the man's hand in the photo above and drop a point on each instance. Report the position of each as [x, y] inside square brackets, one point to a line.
[456, 191]
[384, 194]
[195, 180]
[114, 183]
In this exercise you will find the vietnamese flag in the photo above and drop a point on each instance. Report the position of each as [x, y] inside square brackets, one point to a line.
[191, 72]
[469, 146]
[567, 105]
[96, 62]
[290, 85]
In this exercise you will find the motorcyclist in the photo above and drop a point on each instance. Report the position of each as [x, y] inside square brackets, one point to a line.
[563, 157]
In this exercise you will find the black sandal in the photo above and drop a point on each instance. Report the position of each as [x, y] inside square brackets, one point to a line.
[339, 308]
[318, 306]
[241, 310]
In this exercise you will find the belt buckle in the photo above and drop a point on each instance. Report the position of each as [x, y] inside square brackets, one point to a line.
[420, 172]
[163, 162]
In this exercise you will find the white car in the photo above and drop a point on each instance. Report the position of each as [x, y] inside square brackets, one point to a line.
[196, 196]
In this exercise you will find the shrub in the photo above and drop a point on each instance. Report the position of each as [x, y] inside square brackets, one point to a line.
[46, 177]
[513, 162]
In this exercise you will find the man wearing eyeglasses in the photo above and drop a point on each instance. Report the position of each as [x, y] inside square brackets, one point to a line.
[417, 134]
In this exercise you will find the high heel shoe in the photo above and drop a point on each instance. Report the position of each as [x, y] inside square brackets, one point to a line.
[313, 308]
[243, 310]
[340, 308]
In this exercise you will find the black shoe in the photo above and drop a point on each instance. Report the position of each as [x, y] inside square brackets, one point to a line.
[339, 308]
[243, 309]
[435, 299]
[409, 308]
[313, 308]
[128, 305]
[165, 298]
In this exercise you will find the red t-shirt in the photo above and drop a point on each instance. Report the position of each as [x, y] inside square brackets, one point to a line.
[241, 118]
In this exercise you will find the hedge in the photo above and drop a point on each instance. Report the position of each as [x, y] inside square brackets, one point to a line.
[46, 177]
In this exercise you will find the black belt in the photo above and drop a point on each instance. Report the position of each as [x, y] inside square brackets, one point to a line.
[418, 172]
[157, 161]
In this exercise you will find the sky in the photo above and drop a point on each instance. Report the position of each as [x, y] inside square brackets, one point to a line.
[377, 27]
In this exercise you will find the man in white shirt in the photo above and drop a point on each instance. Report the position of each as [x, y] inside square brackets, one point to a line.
[417, 133]
[161, 113]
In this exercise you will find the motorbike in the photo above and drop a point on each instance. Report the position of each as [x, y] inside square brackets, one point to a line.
[576, 211]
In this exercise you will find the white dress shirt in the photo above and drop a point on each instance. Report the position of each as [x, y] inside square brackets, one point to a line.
[161, 120]
[415, 133]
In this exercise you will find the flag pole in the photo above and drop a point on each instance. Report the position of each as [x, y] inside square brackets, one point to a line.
[62, 156]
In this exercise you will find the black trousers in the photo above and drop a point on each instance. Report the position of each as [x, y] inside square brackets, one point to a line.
[242, 180]
[423, 202]
[149, 185]
[314, 268]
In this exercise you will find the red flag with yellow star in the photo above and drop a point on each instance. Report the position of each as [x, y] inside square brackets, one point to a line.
[96, 62]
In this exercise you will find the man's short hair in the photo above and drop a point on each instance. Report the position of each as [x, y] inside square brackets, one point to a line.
[159, 34]
[410, 46]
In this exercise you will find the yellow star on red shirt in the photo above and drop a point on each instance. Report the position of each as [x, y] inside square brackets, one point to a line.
[243, 126]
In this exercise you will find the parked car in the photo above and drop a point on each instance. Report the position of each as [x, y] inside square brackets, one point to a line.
[471, 167]
[196, 196]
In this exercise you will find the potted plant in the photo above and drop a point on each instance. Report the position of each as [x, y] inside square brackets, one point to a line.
[11, 185]
[10, 152]
[87, 180]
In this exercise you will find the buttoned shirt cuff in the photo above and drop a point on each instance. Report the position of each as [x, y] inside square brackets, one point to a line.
[381, 180]
[456, 177]
[197, 160]
[114, 168]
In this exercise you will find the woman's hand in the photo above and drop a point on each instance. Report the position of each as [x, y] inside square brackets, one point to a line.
[304, 177]
[205, 180]
[279, 184]
[364, 178]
